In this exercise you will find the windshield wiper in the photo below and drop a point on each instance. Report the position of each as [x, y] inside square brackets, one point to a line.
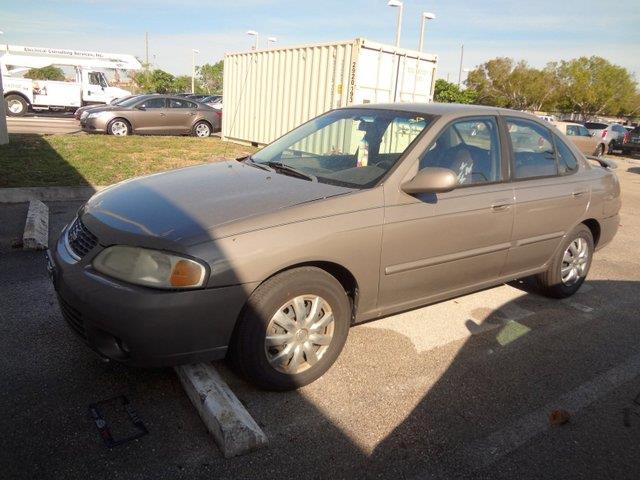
[288, 170]
[250, 161]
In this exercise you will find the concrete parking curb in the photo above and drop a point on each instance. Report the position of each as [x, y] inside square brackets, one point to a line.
[47, 194]
[233, 429]
[36, 228]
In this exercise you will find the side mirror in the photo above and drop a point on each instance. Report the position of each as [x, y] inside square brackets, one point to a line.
[141, 107]
[431, 180]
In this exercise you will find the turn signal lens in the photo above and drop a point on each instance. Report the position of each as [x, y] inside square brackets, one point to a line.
[186, 274]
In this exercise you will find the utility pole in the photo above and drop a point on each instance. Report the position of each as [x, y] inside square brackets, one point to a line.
[461, 60]
[146, 48]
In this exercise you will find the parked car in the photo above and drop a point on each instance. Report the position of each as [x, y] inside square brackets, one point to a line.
[154, 114]
[116, 101]
[612, 134]
[632, 144]
[357, 214]
[214, 101]
[587, 143]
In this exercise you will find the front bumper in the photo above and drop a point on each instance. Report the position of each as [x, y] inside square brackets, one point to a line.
[94, 125]
[143, 326]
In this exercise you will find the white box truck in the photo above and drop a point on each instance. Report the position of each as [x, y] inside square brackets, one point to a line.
[90, 85]
[269, 92]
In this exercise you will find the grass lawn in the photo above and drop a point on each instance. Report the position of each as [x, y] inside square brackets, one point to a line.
[30, 160]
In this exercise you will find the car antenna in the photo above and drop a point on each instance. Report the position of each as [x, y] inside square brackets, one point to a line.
[235, 114]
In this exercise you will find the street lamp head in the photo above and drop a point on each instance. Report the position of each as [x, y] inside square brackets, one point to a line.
[428, 15]
[252, 32]
[195, 50]
[394, 3]
[272, 39]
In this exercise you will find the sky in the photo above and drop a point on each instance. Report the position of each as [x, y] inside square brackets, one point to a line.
[536, 31]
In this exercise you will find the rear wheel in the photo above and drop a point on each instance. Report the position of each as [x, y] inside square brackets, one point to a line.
[16, 105]
[599, 151]
[119, 127]
[571, 265]
[202, 129]
[292, 329]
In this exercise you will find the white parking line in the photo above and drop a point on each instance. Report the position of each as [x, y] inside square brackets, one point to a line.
[440, 324]
[486, 451]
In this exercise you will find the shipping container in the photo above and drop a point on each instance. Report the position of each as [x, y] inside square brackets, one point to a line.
[269, 92]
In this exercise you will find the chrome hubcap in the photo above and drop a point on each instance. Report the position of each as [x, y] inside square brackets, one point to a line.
[119, 128]
[14, 106]
[575, 261]
[202, 130]
[299, 334]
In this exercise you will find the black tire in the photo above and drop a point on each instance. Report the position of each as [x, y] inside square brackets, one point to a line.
[199, 127]
[599, 150]
[247, 351]
[16, 101]
[114, 127]
[550, 282]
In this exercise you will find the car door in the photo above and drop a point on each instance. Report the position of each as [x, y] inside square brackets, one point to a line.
[435, 245]
[148, 115]
[551, 194]
[180, 115]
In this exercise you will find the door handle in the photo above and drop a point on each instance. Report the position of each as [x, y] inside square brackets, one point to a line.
[163, 114]
[501, 205]
[192, 113]
[578, 193]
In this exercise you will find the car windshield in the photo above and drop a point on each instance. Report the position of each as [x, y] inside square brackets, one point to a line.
[130, 102]
[352, 147]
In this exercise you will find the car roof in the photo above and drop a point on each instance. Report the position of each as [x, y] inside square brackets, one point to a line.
[443, 109]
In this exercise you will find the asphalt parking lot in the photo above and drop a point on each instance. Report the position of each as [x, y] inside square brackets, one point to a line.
[462, 389]
[43, 123]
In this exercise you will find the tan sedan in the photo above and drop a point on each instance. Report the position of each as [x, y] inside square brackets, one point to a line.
[360, 213]
[588, 144]
[153, 115]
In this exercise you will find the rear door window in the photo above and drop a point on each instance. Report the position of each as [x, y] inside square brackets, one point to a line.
[533, 149]
[181, 103]
[154, 103]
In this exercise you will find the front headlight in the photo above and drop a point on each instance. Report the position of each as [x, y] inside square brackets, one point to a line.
[97, 114]
[84, 114]
[150, 268]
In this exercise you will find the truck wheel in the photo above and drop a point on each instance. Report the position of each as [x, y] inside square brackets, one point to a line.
[292, 329]
[119, 127]
[569, 269]
[16, 105]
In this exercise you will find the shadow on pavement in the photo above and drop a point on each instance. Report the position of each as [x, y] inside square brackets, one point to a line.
[385, 410]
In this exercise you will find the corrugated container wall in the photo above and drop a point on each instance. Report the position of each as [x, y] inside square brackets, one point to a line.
[269, 92]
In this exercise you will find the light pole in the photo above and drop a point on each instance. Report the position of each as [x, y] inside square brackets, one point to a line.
[253, 33]
[397, 3]
[461, 60]
[193, 69]
[271, 40]
[423, 20]
[4, 136]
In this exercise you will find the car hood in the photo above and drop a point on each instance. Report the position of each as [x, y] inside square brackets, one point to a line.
[195, 204]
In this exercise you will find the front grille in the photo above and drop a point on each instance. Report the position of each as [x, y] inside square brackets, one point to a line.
[73, 317]
[80, 239]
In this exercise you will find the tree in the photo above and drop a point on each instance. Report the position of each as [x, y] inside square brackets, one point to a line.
[211, 76]
[45, 73]
[182, 83]
[447, 92]
[155, 81]
[594, 86]
[504, 83]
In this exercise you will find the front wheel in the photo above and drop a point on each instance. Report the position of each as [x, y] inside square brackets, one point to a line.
[16, 105]
[569, 269]
[292, 329]
[119, 128]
